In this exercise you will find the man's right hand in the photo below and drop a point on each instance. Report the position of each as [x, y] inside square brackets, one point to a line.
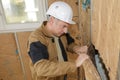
[80, 59]
[80, 49]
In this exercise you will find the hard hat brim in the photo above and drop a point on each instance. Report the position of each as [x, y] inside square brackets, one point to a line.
[71, 22]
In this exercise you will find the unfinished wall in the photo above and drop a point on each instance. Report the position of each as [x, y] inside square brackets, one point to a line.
[10, 64]
[14, 63]
[105, 32]
[22, 41]
[84, 22]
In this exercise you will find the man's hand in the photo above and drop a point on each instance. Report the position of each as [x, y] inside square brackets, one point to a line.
[80, 59]
[80, 49]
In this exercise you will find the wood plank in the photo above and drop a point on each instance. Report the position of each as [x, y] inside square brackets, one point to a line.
[10, 65]
[105, 30]
[7, 44]
[84, 23]
[90, 70]
[22, 40]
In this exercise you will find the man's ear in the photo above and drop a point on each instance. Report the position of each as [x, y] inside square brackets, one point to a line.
[51, 19]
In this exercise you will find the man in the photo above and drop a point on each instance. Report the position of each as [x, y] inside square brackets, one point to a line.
[49, 44]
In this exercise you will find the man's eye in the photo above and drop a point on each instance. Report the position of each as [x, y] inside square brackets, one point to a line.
[64, 26]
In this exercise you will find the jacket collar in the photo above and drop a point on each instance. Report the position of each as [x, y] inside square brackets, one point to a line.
[45, 31]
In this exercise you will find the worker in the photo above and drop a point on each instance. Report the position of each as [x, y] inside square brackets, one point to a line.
[49, 44]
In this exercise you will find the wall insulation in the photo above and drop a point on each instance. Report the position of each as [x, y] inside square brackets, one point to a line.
[105, 32]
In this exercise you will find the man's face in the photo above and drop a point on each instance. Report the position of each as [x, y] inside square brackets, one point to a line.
[59, 27]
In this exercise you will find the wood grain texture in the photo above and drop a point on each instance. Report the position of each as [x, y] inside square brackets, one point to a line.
[22, 40]
[105, 32]
[10, 65]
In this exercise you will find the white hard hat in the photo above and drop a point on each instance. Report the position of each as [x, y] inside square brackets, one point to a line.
[62, 11]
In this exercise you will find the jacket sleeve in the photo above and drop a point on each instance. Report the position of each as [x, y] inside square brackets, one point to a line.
[43, 67]
[53, 69]
[37, 51]
[71, 43]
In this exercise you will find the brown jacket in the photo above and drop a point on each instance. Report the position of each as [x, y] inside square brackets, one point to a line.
[44, 62]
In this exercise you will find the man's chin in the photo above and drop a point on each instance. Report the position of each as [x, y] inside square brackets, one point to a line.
[61, 35]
